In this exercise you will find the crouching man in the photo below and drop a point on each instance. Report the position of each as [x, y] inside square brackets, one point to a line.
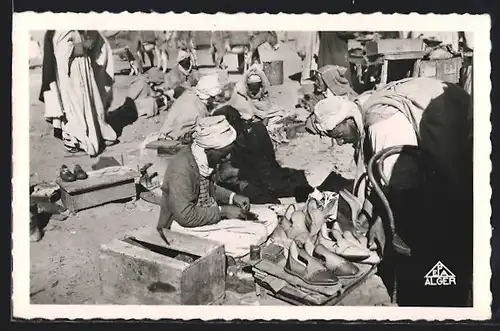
[193, 204]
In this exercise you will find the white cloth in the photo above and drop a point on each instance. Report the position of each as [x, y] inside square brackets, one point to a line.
[331, 111]
[211, 132]
[201, 160]
[254, 78]
[393, 131]
[307, 46]
[208, 86]
[214, 132]
[236, 235]
[469, 39]
[79, 93]
[446, 37]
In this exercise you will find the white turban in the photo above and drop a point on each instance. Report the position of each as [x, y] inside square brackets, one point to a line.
[254, 78]
[214, 132]
[331, 111]
[208, 86]
[211, 132]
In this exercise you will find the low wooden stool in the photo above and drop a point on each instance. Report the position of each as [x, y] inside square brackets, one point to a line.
[98, 189]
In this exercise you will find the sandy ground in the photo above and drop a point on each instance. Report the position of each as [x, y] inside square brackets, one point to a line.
[64, 267]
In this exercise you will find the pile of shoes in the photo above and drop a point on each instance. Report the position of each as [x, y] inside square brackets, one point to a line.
[319, 251]
[70, 176]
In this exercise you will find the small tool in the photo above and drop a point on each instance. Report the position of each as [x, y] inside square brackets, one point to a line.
[145, 179]
[249, 216]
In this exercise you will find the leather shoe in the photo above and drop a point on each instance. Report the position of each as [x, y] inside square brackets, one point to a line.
[302, 265]
[341, 246]
[314, 217]
[66, 174]
[79, 172]
[295, 226]
[340, 266]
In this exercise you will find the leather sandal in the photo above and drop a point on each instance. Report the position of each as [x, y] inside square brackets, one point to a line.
[285, 221]
[341, 246]
[79, 172]
[302, 265]
[66, 174]
[311, 204]
[317, 219]
[348, 207]
[340, 266]
[296, 225]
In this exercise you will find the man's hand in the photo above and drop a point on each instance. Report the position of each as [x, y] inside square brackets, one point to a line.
[376, 237]
[242, 202]
[232, 212]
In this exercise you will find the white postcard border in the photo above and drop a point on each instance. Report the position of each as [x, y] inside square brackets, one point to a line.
[25, 22]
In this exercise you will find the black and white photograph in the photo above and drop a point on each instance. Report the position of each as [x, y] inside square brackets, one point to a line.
[279, 162]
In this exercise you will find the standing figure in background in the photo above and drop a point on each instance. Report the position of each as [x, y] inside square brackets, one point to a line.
[163, 42]
[185, 41]
[333, 49]
[307, 46]
[77, 80]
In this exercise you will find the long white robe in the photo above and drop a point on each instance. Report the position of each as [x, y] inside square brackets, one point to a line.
[82, 92]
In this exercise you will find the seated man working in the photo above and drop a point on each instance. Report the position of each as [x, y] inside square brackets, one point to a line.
[260, 177]
[192, 203]
[190, 106]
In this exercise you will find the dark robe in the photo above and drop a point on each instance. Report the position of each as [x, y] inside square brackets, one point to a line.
[255, 158]
[49, 64]
[333, 49]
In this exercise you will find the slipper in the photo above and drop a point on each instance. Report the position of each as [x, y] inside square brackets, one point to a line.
[302, 265]
[79, 172]
[341, 246]
[315, 217]
[66, 174]
[340, 266]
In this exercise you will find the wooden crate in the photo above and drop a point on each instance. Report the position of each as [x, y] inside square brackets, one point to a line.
[97, 190]
[141, 268]
[384, 46]
[447, 70]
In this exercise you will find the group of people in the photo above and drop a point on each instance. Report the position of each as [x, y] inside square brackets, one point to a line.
[229, 166]
[203, 197]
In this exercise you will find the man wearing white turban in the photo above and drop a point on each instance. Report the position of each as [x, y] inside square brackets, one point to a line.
[181, 75]
[192, 203]
[436, 117]
[192, 105]
[250, 96]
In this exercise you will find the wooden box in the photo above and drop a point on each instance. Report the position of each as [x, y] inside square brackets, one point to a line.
[386, 46]
[447, 70]
[98, 189]
[141, 268]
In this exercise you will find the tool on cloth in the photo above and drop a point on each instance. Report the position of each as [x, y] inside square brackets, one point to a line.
[145, 179]
[249, 216]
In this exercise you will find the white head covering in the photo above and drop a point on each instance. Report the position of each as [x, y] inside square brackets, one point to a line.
[214, 132]
[331, 111]
[208, 86]
[254, 78]
[210, 132]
